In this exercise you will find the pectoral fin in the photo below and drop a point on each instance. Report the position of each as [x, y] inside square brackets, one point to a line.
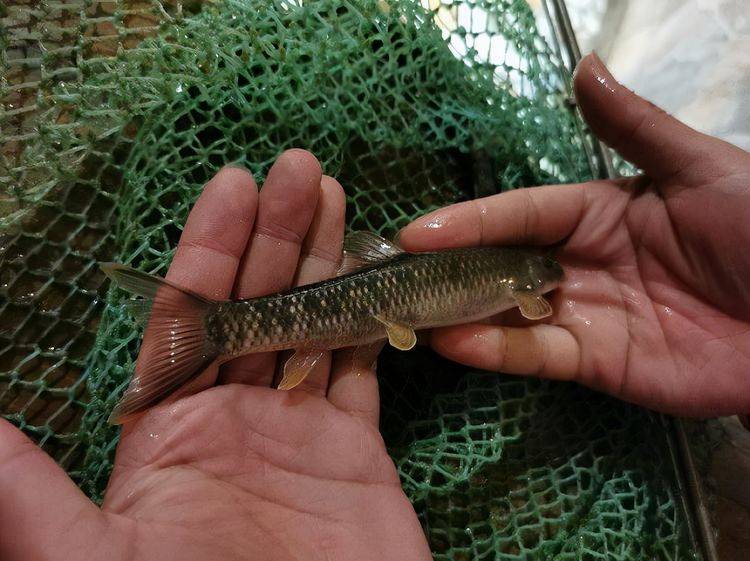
[400, 336]
[299, 365]
[532, 306]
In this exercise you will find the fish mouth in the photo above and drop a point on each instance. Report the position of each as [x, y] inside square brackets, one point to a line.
[559, 272]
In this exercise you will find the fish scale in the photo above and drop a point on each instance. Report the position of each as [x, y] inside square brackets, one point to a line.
[382, 292]
[418, 290]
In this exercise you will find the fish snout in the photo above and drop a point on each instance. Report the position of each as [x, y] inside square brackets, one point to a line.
[547, 273]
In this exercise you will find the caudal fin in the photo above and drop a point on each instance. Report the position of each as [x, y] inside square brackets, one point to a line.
[175, 346]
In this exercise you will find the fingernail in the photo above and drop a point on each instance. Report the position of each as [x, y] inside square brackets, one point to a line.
[602, 73]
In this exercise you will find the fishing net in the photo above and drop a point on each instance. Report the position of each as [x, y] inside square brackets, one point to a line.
[115, 113]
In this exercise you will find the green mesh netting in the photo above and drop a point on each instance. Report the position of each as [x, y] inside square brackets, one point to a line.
[115, 113]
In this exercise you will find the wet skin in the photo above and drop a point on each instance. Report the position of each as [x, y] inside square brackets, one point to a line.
[654, 309]
[237, 470]
[655, 305]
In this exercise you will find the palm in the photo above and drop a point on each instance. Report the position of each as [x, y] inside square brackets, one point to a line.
[655, 306]
[252, 473]
[642, 299]
[237, 470]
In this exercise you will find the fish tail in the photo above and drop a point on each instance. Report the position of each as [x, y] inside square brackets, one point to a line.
[176, 347]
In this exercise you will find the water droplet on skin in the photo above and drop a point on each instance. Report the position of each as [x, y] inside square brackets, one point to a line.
[573, 311]
[437, 222]
[480, 338]
[153, 435]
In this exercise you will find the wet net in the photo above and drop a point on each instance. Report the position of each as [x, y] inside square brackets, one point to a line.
[115, 113]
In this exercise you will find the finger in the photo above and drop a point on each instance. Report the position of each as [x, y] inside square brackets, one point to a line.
[541, 350]
[643, 133]
[509, 318]
[41, 509]
[209, 253]
[215, 235]
[321, 253]
[354, 383]
[285, 209]
[537, 215]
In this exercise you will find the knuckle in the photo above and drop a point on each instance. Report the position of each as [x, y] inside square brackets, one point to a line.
[323, 254]
[542, 353]
[530, 216]
[278, 231]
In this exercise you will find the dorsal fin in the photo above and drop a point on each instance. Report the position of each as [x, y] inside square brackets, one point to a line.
[363, 248]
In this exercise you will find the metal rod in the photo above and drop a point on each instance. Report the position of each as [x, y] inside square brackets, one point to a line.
[682, 479]
[566, 30]
[605, 168]
[684, 463]
[695, 488]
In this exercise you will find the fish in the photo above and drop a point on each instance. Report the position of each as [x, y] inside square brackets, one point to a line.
[380, 292]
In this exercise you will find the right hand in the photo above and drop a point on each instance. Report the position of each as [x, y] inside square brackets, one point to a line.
[655, 306]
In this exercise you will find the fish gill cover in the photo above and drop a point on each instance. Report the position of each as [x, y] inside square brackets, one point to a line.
[113, 116]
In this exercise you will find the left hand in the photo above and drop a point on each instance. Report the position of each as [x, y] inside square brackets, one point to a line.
[238, 470]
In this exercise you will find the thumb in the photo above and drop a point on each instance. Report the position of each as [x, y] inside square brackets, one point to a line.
[642, 133]
[43, 515]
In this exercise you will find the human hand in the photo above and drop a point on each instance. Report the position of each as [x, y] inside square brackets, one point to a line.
[237, 470]
[655, 306]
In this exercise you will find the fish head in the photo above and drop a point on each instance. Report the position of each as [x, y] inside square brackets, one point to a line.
[545, 273]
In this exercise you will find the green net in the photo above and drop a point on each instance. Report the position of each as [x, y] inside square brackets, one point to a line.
[115, 113]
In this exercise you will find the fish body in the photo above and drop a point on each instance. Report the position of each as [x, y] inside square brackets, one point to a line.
[421, 290]
[381, 291]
